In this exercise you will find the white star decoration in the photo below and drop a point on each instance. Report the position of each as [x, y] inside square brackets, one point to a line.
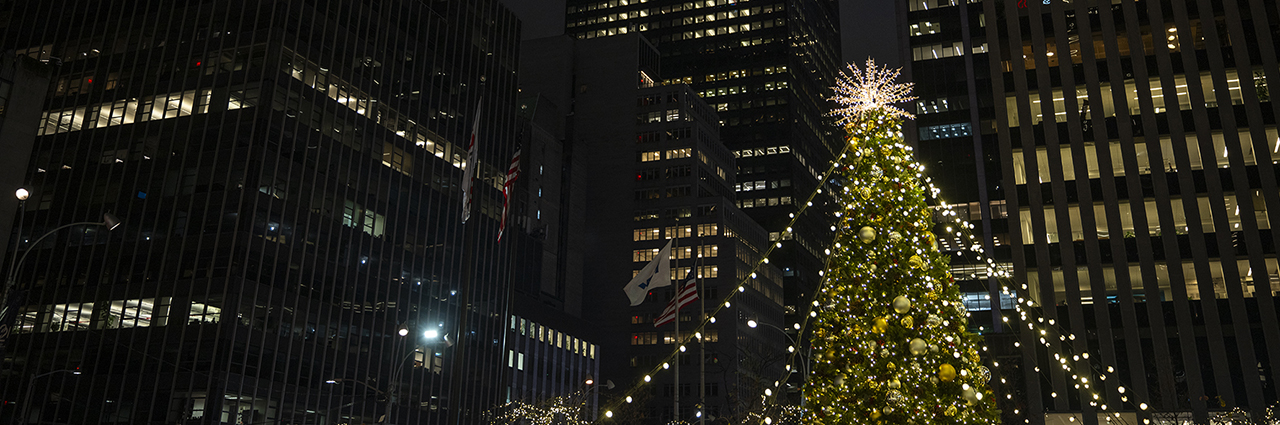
[860, 91]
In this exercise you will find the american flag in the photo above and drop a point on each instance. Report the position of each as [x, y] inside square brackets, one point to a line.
[687, 295]
[513, 173]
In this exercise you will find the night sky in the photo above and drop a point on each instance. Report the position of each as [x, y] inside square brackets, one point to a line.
[866, 25]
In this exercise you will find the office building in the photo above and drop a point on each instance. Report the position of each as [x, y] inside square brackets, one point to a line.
[652, 168]
[766, 69]
[1124, 154]
[22, 82]
[288, 179]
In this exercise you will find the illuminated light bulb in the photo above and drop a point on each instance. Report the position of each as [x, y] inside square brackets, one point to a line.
[647, 378]
[666, 365]
[608, 413]
[628, 399]
[1143, 406]
[768, 392]
[1120, 389]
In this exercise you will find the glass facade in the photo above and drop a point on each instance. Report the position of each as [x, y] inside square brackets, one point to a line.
[1127, 145]
[288, 177]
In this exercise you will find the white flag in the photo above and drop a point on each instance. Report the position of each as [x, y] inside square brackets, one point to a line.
[469, 175]
[656, 274]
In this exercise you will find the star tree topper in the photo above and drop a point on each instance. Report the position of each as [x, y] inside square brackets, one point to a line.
[859, 91]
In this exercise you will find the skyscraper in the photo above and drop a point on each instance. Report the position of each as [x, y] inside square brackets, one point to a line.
[652, 169]
[1121, 152]
[766, 70]
[288, 177]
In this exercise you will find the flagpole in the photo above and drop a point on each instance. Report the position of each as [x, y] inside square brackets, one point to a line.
[702, 342]
[676, 250]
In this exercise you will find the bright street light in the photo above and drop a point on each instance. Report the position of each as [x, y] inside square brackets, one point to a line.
[22, 193]
[751, 323]
[431, 334]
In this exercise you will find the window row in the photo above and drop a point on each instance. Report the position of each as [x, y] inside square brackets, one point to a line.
[945, 131]
[688, 5]
[683, 252]
[540, 333]
[1169, 35]
[941, 104]
[667, 154]
[729, 75]
[925, 27]
[121, 112]
[118, 314]
[915, 5]
[761, 185]
[1218, 285]
[1177, 207]
[684, 231]
[946, 50]
[771, 150]
[683, 273]
[677, 212]
[1220, 155]
[750, 103]
[1103, 106]
[764, 202]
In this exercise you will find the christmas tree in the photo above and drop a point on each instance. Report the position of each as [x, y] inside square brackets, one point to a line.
[890, 340]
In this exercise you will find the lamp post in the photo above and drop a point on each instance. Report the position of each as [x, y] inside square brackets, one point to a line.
[390, 393]
[31, 383]
[752, 323]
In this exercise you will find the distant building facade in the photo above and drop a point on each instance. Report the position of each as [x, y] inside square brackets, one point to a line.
[288, 174]
[766, 69]
[1124, 155]
[653, 168]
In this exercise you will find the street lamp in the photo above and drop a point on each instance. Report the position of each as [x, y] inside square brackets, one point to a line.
[752, 323]
[31, 383]
[109, 221]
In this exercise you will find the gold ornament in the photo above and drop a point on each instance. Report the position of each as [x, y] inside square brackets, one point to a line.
[951, 411]
[916, 262]
[970, 396]
[901, 304]
[918, 347]
[947, 372]
[891, 366]
[880, 325]
[864, 192]
[894, 383]
[867, 234]
[840, 380]
[908, 322]
[875, 414]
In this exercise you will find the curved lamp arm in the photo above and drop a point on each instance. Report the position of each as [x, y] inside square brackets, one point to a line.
[108, 220]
